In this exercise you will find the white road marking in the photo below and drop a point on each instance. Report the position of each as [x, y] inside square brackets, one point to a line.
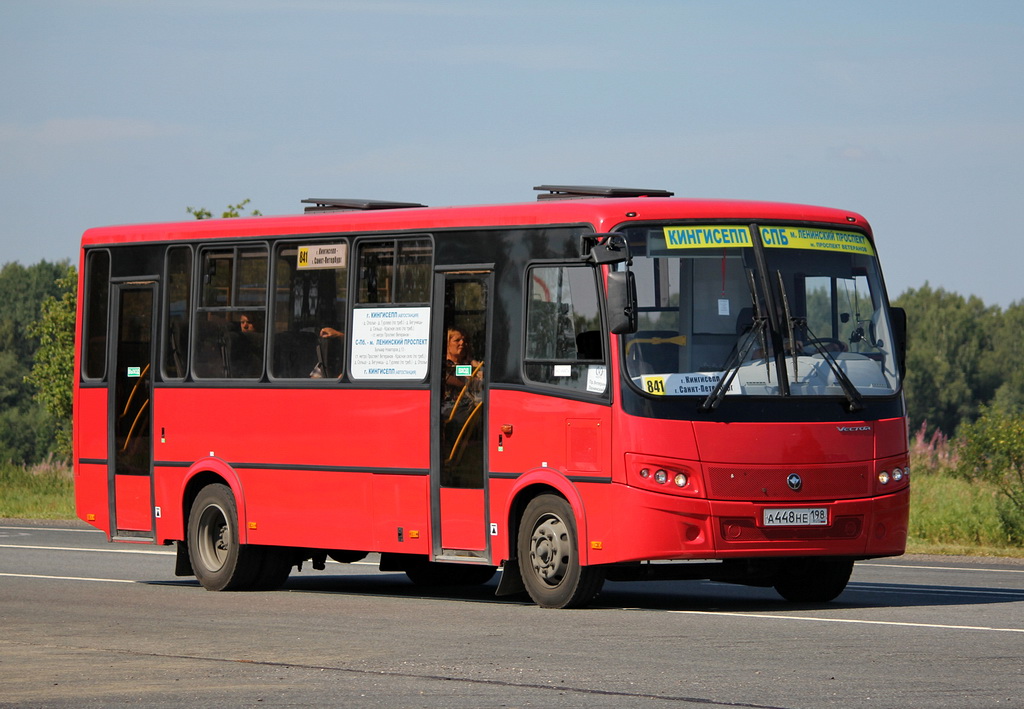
[55, 529]
[67, 578]
[730, 614]
[940, 568]
[101, 551]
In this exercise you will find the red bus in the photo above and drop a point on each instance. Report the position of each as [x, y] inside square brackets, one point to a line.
[602, 384]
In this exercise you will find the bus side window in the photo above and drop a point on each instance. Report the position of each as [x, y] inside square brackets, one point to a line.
[230, 335]
[94, 339]
[177, 311]
[564, 337]
[310, 297]
[395, 271]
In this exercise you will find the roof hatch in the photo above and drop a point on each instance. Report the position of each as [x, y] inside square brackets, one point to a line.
[334, 205]
[587, 191]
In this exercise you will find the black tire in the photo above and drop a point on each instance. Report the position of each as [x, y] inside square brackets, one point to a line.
[275, 568]
[813, 580]
[434, 573]
[219, 562]
[549, 560]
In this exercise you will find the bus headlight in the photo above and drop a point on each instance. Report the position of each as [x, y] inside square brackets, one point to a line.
[883, 477]
[664, 475]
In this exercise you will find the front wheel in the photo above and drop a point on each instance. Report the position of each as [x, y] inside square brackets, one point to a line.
[218, 560]
[813, 580]
[549, 559]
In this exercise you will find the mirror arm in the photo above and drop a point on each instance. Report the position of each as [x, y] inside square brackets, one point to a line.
[605, 249]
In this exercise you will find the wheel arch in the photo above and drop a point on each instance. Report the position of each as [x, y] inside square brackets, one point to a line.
[544, 481]
[209, 471]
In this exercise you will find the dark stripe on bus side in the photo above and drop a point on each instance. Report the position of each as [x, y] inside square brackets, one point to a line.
[301, 468]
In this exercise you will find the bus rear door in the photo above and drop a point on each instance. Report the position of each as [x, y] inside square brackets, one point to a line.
[458, 474]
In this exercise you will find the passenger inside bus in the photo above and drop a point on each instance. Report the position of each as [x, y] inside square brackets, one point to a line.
[243, 349]
[456, 382]
[463, 383]
[328, 354]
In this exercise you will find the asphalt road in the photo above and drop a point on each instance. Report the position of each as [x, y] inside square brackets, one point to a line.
[85, 623]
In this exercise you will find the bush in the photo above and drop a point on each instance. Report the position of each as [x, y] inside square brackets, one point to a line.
[992, 452]
[952, 512]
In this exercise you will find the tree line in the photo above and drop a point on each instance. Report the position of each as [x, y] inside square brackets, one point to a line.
[28, 429]
[963, 358]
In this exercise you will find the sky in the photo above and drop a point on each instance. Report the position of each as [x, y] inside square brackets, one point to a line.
[910, 113]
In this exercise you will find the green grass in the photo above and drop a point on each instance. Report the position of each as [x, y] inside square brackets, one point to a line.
[42, 491]
[949, 515]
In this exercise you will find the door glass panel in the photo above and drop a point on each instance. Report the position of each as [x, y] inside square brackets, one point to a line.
[132, 428]
[462, 386]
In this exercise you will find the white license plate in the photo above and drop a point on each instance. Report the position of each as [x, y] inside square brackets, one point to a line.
[795, 516]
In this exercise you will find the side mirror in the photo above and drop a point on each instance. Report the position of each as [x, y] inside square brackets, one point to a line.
[622, 316]
[601, 249]
[898, 317]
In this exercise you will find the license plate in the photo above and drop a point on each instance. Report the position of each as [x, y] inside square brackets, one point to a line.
[795, 516]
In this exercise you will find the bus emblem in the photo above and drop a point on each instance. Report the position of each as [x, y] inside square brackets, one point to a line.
[794, 482]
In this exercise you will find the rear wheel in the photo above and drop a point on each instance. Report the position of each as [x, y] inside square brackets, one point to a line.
[813, 580]
[219, 562]
[549, 560]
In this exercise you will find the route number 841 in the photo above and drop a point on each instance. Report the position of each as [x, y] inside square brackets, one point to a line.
[654, 385]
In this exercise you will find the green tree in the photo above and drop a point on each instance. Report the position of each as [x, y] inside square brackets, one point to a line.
[949, 372]
[53, 371]
[1007, 360]
[22, 289]
[232, 211]
[26, 429]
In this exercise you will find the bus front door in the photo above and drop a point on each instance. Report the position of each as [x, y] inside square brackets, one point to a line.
[130, 470]
[458, 474]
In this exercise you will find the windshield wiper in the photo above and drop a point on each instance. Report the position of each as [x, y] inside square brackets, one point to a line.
[739, 355]
[853, 400]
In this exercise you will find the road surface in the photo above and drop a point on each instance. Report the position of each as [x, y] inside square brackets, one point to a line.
[86, 623]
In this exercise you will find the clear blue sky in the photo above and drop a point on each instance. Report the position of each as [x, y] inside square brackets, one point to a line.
[910, 112]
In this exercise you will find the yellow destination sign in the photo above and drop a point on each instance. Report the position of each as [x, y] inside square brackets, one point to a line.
[703, 236]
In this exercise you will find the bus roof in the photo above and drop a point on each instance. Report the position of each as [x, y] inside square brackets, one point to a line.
[331, 216]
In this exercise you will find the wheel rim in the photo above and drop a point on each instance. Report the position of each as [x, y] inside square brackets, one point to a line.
[214, 534]
[550, 549]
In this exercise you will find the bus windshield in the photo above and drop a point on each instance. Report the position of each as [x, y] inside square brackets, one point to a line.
[735, 310]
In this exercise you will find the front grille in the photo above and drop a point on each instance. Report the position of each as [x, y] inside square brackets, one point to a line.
[768, 482]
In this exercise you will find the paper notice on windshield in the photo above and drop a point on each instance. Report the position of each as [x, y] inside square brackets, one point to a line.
[688, 384]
